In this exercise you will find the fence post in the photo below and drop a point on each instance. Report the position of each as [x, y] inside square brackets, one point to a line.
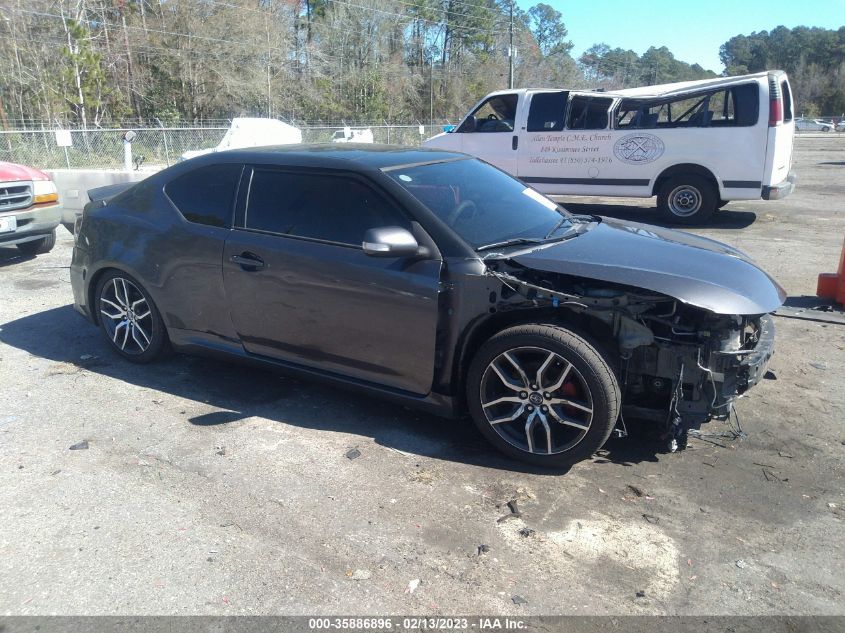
[164, 136]
[166, 151]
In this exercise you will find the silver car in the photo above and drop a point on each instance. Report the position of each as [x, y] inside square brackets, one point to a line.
[812, 125]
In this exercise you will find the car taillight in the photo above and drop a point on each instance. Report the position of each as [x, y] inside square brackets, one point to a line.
[775, 103]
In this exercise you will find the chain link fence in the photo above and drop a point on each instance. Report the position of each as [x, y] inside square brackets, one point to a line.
[159, 147]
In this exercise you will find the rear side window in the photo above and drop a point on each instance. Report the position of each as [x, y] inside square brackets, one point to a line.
[588, 113]
[547, 112]
[206, 195]
[723, 111]
[747, 103]
[323, 207]
[735, 106]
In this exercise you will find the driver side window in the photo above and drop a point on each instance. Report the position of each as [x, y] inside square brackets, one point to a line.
[496, 114]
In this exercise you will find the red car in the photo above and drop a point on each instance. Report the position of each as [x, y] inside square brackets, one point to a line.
[29, 209]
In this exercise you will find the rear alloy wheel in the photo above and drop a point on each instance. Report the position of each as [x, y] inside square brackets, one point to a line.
[39, 247]
[129, 318]
[543, 394]
[687, 199]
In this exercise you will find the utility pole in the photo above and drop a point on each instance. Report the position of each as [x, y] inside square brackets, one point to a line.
[269, 58]
[510, 50]
[431, 91]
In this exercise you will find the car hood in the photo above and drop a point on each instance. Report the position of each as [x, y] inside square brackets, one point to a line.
[692, 269]
[10, 172]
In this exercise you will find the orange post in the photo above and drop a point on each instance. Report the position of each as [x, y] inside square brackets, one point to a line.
[832, 285]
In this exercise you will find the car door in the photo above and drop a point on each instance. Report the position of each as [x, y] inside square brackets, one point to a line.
[491, 132]
[300, 288]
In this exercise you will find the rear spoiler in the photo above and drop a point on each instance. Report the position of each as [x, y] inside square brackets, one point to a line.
[108, 192]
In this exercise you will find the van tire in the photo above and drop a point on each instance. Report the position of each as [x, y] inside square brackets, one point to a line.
[687, 199]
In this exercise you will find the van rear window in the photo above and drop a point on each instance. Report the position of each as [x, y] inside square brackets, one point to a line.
[787, 101]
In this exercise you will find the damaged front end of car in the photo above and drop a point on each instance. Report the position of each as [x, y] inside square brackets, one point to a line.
[679, 365]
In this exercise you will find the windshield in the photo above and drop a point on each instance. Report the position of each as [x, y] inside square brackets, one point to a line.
[483, 205]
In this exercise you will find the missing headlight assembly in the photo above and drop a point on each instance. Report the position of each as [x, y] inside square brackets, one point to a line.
[679, 365]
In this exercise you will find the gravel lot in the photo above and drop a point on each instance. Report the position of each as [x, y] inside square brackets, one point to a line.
[209, 488]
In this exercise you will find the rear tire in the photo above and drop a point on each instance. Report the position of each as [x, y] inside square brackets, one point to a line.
[129, 319]
[543, 395]
[687, 199]
[39, 247]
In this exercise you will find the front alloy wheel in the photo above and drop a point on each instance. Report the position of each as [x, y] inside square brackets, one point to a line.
[543, 394]
[536, 400]
[129, 319]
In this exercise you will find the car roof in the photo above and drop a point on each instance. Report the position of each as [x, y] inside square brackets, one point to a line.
[363, 156]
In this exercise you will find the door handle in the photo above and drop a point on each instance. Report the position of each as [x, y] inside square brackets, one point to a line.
[248, 261]
[515, 142]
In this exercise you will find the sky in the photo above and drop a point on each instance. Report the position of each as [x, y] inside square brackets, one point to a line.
[693, 30]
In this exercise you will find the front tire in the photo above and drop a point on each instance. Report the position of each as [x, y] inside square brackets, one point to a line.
[687, 199]
[543, 395]
[39, 247]
[129, 319]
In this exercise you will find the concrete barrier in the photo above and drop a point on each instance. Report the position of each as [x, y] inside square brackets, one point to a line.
[73, 185]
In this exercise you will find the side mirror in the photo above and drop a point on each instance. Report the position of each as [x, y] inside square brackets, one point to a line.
[390, 241]
[448, 128]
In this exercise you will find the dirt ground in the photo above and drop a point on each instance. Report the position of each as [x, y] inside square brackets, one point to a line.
[209, 488]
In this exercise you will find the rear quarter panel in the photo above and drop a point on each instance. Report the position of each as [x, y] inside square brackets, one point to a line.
[178, 263]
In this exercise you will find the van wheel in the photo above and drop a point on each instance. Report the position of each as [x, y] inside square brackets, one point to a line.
[722, 204]
[543, 395]
[39, 247]
[687, 199]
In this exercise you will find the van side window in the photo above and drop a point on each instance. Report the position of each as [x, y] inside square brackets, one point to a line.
[588, 113]
[497, 114]
[735, 106]
[722, 107]
[747, 104]
[547, 112]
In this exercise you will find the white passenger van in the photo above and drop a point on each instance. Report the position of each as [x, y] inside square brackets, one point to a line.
[695, 145]
[247, 132]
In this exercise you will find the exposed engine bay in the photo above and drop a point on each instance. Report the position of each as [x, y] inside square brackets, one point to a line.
[679, 365]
